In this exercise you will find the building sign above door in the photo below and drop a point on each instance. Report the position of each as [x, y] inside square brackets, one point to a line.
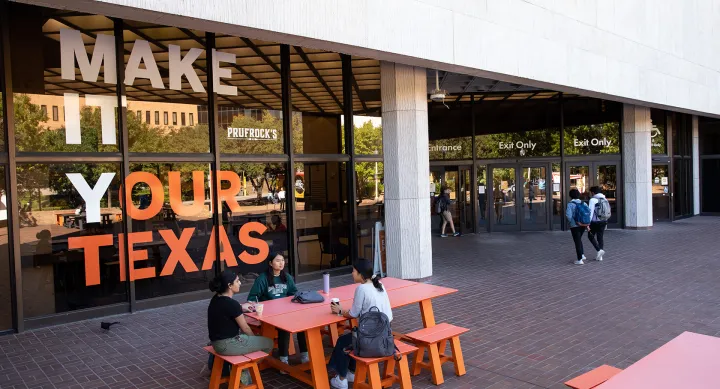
[252, 133]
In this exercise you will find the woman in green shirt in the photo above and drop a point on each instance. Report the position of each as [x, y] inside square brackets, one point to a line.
[273, 284]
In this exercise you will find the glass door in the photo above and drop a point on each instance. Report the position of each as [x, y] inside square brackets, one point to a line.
[464, 201]
[535, 215]
[584, 175]
[661, 199]
[448, 177]
[504, 213]
[483, 192]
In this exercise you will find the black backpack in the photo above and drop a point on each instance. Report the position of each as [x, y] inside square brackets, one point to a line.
[373, 337]
[440, 206]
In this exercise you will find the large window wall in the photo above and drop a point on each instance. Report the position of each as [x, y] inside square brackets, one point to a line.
[146, 158]
[565, 140]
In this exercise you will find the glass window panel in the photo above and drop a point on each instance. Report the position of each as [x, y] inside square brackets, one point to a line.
[53, 218]
[367, 104]
[6, 322]
[321, 218]
[183, 213]
[370, 204]
[592, 126]
[317, 96]
[152, 91]
[251, 122]
[263, 199]
[536, 143]
[658, 132]
[454, 148]
[40, 83]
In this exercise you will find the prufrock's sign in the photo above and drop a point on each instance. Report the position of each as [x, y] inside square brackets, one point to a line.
[141, 65]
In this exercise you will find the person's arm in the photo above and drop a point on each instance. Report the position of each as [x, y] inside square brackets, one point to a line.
[291, 288]
[569, 214]
[591, 204]
[244, 327]
[258, 290]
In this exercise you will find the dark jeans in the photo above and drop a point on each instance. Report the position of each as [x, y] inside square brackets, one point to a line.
[577, 233]
[340, 361]
[597, 230]
[284, 342]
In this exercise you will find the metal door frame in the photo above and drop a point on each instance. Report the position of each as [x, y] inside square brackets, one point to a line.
[547, 226]
[593, 165]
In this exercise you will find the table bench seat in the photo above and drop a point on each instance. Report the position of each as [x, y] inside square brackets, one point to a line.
[239, 363]
[367, 373]
[434, 339]
[593, 378]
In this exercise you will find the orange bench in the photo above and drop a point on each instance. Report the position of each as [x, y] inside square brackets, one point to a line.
[239, 363]
[593, 378]
[434, 340]
[369, 369]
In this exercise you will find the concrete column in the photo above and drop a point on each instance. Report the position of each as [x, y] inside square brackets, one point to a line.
[696, 165]
[637, 166]
[407, 170]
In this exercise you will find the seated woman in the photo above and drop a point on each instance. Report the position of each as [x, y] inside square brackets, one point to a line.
[276, 224]
[229, 332]
[273, 284]
[370, 293]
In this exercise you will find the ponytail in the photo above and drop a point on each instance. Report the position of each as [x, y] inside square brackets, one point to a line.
[376, 282]
[365, 268]
[220, 284]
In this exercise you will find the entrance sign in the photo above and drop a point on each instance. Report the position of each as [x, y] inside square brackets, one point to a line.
[445, 148]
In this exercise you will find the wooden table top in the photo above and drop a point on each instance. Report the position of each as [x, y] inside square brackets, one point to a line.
[689, 361]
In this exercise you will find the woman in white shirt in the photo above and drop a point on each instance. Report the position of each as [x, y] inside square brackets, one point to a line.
[370, 293]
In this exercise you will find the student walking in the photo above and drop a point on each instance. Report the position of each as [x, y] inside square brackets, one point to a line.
[443, 209]
[599, 216]
[578, 217]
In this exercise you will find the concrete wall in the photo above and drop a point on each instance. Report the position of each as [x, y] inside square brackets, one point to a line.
[662, 53]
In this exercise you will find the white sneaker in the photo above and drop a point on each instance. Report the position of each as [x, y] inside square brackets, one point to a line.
[600, 255]
[584, 257]
[350, 376]
[304, 357]
[579, 262]
[337, 383]
[285, 361]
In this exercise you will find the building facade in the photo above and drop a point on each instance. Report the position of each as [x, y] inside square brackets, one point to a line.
[148, 145]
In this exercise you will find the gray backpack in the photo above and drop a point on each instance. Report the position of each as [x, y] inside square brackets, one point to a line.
[373, 337]
[602, 210]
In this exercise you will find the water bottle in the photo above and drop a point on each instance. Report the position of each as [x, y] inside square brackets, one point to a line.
[326, 283]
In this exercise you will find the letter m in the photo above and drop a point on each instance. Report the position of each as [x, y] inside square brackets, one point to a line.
[72, 47]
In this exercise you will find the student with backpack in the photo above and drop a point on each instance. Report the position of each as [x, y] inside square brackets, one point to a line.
[599, 216]
[442, 208]
[369, 296]
[578, 217]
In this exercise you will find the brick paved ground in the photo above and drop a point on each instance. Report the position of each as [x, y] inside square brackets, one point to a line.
[536, 319]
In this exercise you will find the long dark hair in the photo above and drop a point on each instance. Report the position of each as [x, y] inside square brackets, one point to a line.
[364, 267]
[220, 284]
[269, 270]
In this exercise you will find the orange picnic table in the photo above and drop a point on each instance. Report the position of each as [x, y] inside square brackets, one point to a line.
[312, 318]
[688, 361]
